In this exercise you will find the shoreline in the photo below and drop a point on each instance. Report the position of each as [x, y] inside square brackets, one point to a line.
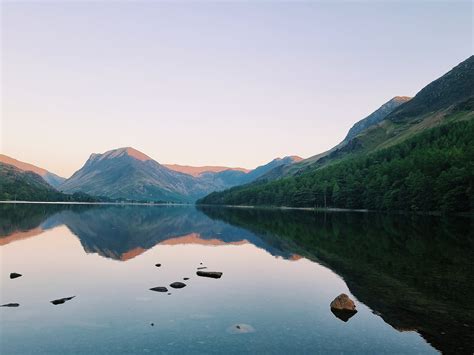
[283, 208]
[94, 203]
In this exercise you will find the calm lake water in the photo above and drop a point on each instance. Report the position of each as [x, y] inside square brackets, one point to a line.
[411, 277]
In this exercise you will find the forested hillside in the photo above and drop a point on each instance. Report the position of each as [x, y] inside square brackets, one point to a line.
[19, 185]
[432, 171]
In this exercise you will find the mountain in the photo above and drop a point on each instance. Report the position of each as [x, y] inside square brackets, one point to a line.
[130, 174]
[431, 106]
[20, 185]
[52, 179]
[199, 170]
[419, 157]
[359, 127]
[126, 173]
[376, 116]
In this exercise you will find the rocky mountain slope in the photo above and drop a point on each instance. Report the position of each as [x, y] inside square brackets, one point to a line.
[416, 158]
[52, 179]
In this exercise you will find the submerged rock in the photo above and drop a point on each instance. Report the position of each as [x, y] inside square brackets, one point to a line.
[159, 289]
[62, 300]
[157, 265]
[178, 285]
[343, 302]
[240, 328]
[185, 278]
[211, 274]
[14, 275]
[343, 307]
[10, 305]
[202, 267]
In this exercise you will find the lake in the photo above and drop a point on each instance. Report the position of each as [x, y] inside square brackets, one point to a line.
[411, 278]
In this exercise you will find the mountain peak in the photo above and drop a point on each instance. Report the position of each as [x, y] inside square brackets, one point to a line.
[377, 116]
[120, 152]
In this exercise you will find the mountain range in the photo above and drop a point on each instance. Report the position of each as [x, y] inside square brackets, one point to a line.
[411, 154]
[128, 174]
[407, 149]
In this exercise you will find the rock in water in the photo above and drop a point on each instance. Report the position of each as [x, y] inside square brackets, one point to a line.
[343, 307]
[211, 274]
[157, 265]
[178, 285]
[10, 305]
[202, 267]
[240, 328]
[62, 300]
[159, 289]
[343, 302]
[185, 278]
[14, 275]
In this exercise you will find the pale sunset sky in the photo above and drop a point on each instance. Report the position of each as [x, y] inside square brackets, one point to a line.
[234, 83]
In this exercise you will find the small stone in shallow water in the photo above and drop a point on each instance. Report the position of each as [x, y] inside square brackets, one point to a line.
[62, 300]
[185, 278]
[178, 285]
[202, 267]
[152, 324]
[10, 305]
[211, 274]
[14, 275]
[157, 265]
[169, 293]
[159, 289]
[240, 328]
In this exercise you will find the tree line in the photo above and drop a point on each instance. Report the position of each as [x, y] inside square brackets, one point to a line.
[432, 171]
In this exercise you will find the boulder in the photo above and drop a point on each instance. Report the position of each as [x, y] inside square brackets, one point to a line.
[211, 274]
[178, 285]
[343, 302]
[159, 289]
[10, 305]
[62, 300]
[14, 275]
[343, 307]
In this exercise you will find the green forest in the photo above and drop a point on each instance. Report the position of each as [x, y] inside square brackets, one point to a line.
[432, 171]
[28, 186]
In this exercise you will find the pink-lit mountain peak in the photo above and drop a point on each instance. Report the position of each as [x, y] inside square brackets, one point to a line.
[120, 152]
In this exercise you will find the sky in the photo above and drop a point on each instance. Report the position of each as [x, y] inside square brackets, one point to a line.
[233, 83]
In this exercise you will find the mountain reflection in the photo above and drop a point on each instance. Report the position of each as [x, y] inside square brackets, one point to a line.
[124, 232]
[415, 272]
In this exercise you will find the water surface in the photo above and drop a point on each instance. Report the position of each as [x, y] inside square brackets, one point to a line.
[409, 277]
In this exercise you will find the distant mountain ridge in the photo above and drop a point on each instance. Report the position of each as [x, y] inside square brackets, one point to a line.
[52, 179]
[199, 170]
[126, 173]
